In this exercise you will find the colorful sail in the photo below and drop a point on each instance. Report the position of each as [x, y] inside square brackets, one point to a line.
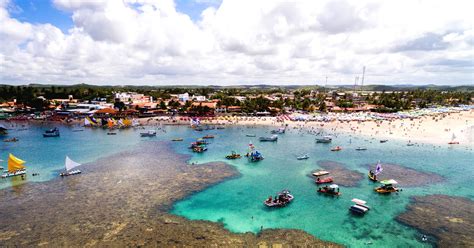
[70, 164]
[15, 163]
[127, 122]
[378, 168]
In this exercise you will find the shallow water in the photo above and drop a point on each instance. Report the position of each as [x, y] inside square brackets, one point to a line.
[237, 203]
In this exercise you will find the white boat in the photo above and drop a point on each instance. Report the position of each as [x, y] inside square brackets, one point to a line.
[150, 133]
[302, 157]
[15, 167]
[320, 173]
[359, 207]
[361, 149]
[273, 138]
[325, 139]
[70, 165]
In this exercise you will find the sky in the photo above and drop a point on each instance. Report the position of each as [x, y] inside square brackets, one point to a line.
[229, 42]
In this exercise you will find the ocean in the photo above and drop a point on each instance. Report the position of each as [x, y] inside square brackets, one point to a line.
[238, 203]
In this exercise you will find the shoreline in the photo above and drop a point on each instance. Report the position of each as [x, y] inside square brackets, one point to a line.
[435, 130]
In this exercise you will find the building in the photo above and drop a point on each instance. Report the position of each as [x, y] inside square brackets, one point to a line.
[132, 97]
[183, 97]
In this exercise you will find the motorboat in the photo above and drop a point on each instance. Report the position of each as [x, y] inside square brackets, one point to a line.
[359, 208]
[254, 156]
[383, 141]
[361, 149]
[251, 135]
[387, 187]
[325, 139]
[336, 149]
[303, 157]
[320, 173]
[150, 133]
[177, 139]
[51, 133]
[323, 180]
[271, 139]
[280, 200]
[234, 155]
[332, 190]
[200, 149]
[111, 133]
[208, 137]
[280, 130]
[14, 139]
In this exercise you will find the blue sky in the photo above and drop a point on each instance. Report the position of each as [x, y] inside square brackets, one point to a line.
[41, 11]
[44, 11]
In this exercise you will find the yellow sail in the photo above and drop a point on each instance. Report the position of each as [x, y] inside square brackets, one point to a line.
[15, 163]
[127, 122]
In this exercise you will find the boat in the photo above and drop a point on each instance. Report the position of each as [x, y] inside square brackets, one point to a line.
[373, 175]
[387, 187]
[336, 149]
[70, 165]
[280, 130]
[359, 208]
[282, 199]
[220, 127]
[14, 139]
[177, 139]
[200, 149]
[383, 141]
[410, 144]
[332, 190]
[254, 156]
[361, 149]
[251, 135]
[149, 133]
[208, 137]
[323, 180]
[302, 157]
[326, 139]
[234, 155]
[453, 141]
[271, 139]
[51, 133]
[320, 173]
[15, 167]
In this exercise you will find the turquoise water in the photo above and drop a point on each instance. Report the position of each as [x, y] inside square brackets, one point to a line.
[237, 203]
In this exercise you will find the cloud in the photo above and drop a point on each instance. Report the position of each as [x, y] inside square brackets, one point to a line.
[242, 41]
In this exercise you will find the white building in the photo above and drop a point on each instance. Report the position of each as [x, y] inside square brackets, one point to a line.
[199, 98]
[183, 97]
[132, 97]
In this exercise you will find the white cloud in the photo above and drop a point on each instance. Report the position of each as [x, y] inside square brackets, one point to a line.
[243, 41]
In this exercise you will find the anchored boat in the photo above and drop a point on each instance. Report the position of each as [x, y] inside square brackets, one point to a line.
[325, 139]
[51, 133]
[359, 208]
[332, 190]
[70, 165]
[336, 149]
[234, 155]
[302, 157]
[320, 173]
[15, 167]
[280, 200]
[280, 130]
[387, 187]
[150, 133]
[271, 139]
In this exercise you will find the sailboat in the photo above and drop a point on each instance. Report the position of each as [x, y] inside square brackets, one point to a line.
[453, 142]
[70, 165]
[15, 167]
[373, 175]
